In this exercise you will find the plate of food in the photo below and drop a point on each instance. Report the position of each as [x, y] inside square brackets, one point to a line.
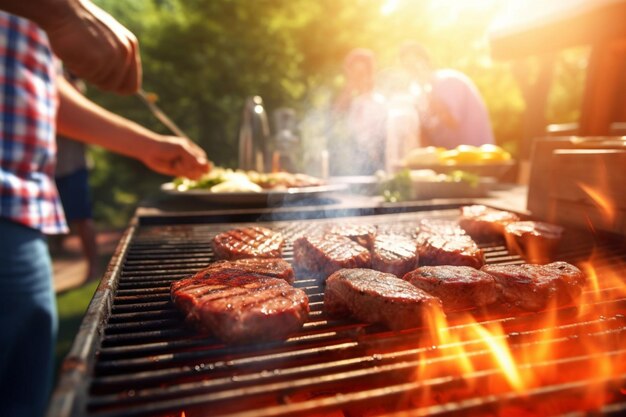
[228, 186]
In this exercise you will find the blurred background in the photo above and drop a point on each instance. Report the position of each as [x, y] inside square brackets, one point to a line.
[202, 58]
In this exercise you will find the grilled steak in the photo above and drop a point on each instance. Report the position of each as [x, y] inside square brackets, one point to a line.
[238, 306]
[440, 227]
[270, 267]
[458, 250]
[483, 223]
[377, 297]
[248, 242]
[395, 254]
[536, 242]
[534, 287]
[362, 234]
[324, 254]
[458, 287]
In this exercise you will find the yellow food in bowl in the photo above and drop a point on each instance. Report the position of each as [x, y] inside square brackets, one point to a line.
[463, 154]
[423, 156]
[467, 154]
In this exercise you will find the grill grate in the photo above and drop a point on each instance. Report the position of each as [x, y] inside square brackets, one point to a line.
[147, 363]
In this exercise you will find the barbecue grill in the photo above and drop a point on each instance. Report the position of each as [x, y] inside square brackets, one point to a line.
[134, 356]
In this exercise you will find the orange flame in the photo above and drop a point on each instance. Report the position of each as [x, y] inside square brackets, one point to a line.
[605, 203]
[592, 280]
[496, 342]
[444, 338]
[552, 349]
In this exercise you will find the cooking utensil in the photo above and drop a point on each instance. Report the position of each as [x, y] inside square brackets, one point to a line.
[158, 113]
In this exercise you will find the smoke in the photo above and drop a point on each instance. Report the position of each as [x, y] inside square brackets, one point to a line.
[373, 133]
[316, 130]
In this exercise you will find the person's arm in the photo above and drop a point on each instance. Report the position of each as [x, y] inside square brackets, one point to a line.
[83, 120]
[92, 44]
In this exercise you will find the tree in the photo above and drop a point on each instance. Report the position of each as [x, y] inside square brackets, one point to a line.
[204, 57]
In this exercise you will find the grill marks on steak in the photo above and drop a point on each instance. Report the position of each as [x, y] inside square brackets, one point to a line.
[484, 223]
[440, 242]
[377, 297]
[456, 250]
[248, 242]
[324, 254]
[363, 234]
[444, 242]
[239, 307]
[535, 287]
[440, 227]
[271, 267]
[458, 287]
[395, 254]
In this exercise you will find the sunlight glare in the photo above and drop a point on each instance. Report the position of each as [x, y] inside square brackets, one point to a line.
[388, 7]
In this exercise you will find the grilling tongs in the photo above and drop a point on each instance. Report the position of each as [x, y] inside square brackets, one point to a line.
[149, 100]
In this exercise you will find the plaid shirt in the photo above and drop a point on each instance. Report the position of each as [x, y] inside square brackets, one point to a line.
[28, 100]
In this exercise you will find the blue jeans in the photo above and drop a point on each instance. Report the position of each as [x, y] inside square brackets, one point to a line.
[28, 321]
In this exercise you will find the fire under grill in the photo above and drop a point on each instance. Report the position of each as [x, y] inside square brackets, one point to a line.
[135, 357]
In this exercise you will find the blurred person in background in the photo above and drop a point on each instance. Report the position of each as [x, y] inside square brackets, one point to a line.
[403, 123]
[35, 104]
[72, 181]
[362, 111]
[451, 109]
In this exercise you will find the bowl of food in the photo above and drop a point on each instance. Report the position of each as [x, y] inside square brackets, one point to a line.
[485, 160]
[425, 184]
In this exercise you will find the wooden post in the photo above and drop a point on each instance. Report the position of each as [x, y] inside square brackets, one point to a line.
[604, 89]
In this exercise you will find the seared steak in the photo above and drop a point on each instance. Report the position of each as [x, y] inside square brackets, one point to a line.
[248, 242]
[363, 234]
[536, 242]
[270, 267]
[395, 254]
[458, 287]
[376, 297]
[483, 223]
[324, 254]
[440, 227]
[240, 307]
[458, 250]
[535, 287]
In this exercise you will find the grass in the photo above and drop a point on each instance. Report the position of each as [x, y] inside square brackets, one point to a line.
[71, 306]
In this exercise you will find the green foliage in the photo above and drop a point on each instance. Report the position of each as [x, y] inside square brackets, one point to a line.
[565, 99]
[204, 57]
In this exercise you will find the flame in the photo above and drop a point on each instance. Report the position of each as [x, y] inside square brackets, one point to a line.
[592, 280]
[604, 203]
[563, 344]
[496, 342]
[602, 281]
[443, 337]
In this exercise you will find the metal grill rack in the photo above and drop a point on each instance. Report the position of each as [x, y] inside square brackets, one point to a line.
[135, 357]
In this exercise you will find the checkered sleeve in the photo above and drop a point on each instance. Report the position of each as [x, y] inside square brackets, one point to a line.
[28, 101]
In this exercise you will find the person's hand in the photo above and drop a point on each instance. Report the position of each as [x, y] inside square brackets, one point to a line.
[176, 156]
[94, 46]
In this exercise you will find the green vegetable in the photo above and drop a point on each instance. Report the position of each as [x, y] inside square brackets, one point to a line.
[457, 176]
[398, 188]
